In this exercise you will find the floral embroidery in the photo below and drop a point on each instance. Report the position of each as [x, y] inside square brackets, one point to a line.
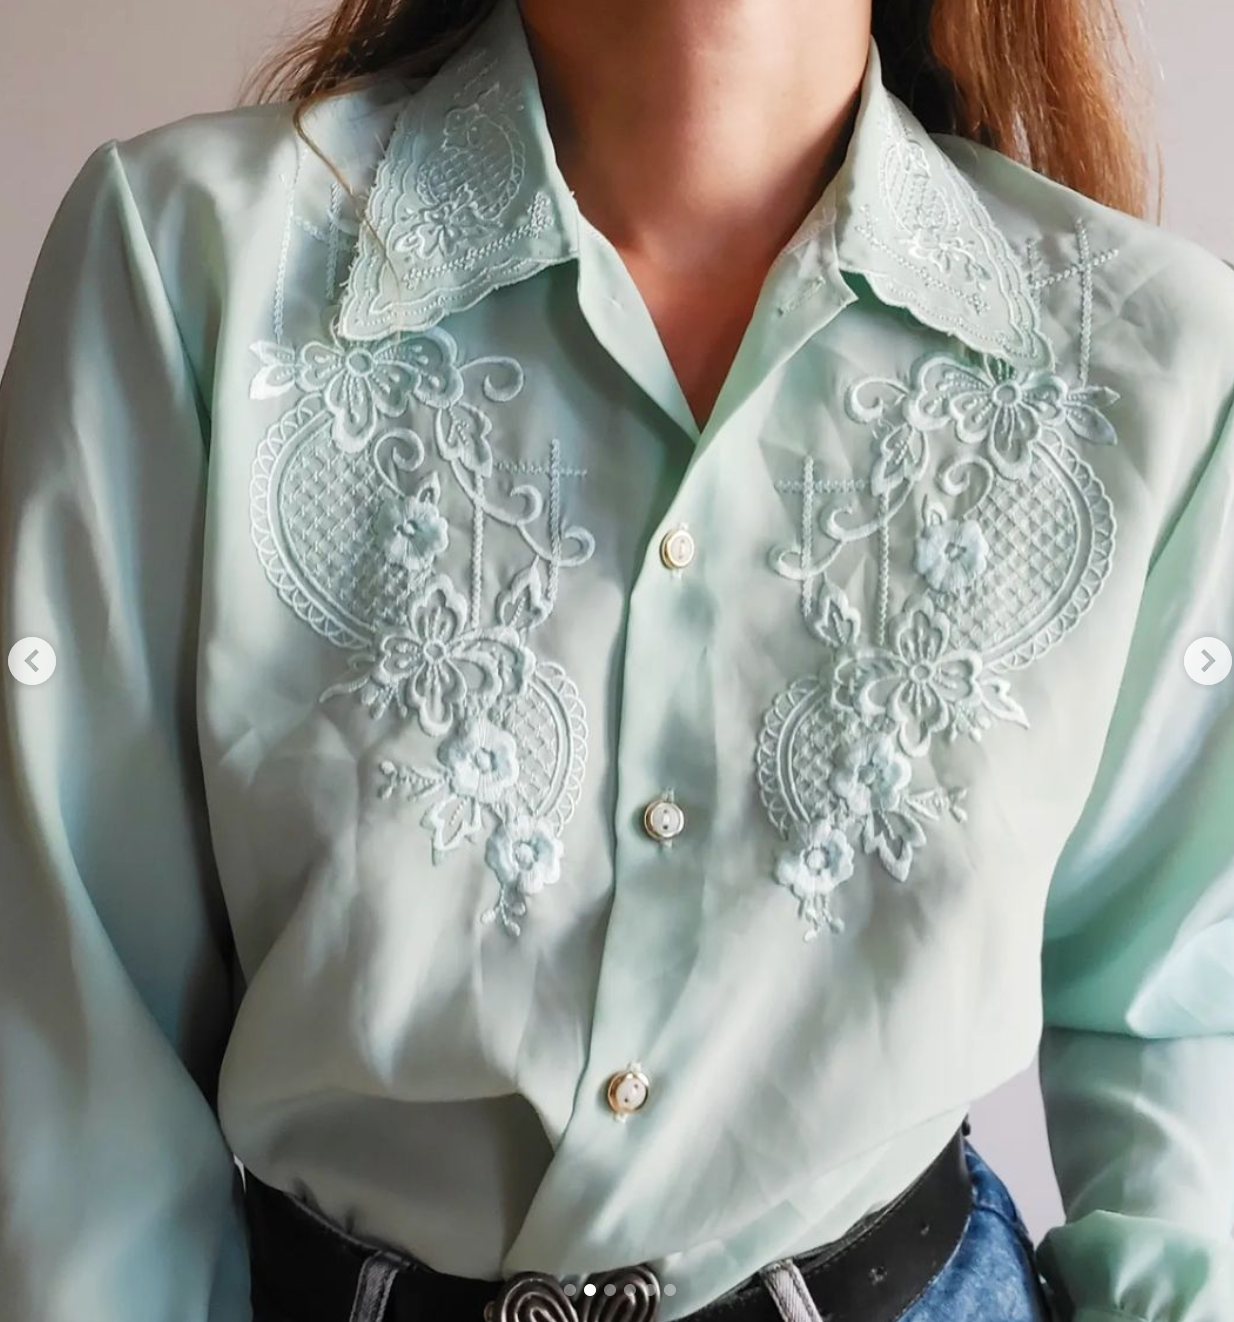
[950, 254]
[919, 684]
[525, 856]
[481, 761]
[819, 860]
[363, 384]
[348, 520]
[1008, 412]
[1013, 541]
[871, 775]
[412, 530]
[435, 666]
[934, 248]
[951, 554]
[443, 228]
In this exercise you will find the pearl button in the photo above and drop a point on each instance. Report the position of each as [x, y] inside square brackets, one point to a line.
[663, 819]
[677, 548]
[627, 1091]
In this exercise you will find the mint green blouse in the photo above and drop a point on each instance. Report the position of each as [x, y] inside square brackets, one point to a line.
[445, 725]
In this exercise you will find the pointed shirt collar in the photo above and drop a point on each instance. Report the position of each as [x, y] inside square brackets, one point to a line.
[468, 197]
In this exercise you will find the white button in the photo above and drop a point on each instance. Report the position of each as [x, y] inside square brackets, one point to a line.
[628, 1090]
[31, 661]
[1207, 661]
[663, 819]
[677, 548]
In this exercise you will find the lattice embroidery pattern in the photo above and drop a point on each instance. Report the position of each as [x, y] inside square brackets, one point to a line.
[348, 520]
[1013, 540]
[444, 225]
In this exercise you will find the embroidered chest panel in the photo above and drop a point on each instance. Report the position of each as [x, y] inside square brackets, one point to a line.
[377, 498]
[391, 514]
[992, 536]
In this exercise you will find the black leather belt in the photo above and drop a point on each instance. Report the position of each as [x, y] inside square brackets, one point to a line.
[307, 1269]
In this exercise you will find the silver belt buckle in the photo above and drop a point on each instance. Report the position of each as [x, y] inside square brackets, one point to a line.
[627, 1294]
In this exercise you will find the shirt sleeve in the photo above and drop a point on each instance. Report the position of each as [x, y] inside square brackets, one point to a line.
[1137, 1054]
[119, 1198]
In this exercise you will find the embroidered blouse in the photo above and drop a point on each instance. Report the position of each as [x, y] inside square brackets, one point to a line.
[547, 833]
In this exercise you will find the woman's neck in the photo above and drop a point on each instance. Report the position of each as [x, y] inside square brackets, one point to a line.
[693, 132]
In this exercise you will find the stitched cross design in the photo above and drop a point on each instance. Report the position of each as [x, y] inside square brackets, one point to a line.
[1083, 267]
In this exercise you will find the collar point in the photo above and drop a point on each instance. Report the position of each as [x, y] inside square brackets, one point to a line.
[352, 327]
[371, 307]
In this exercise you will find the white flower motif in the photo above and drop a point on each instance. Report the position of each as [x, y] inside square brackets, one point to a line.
[420, 662]
[947, 251]
[1007, 412]
[443, 228]
[931, 677]
[524, 854]
[819, 860]
[363, 384]
[481, 760]
[872, 775]
[412, 531]
[435, 665]
[1002, 411]
[951, 555]
[917, 682]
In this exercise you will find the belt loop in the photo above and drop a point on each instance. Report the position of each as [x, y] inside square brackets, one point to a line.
[788, 1291]
[373, 1287]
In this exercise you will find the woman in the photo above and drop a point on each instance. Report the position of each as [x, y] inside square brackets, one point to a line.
[600, 704]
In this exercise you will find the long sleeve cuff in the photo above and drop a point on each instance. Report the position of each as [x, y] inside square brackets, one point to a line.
[1142, 1127]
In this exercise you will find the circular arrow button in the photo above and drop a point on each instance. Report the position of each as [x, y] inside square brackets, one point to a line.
[1207, 661]
[32, 661]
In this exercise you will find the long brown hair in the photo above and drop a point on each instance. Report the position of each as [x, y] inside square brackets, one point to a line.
[1051, 83]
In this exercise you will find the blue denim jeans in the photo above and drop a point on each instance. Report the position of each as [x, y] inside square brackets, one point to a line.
[992, 1275]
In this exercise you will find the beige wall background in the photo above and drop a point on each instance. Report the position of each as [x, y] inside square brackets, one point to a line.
[74, 73]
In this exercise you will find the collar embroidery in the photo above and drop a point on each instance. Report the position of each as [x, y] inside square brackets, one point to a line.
[468, 198]
[916, 230]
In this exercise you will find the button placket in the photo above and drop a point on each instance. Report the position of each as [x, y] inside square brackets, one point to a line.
[666, 570]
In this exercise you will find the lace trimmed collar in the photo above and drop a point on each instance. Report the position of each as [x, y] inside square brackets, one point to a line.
[468, 198]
